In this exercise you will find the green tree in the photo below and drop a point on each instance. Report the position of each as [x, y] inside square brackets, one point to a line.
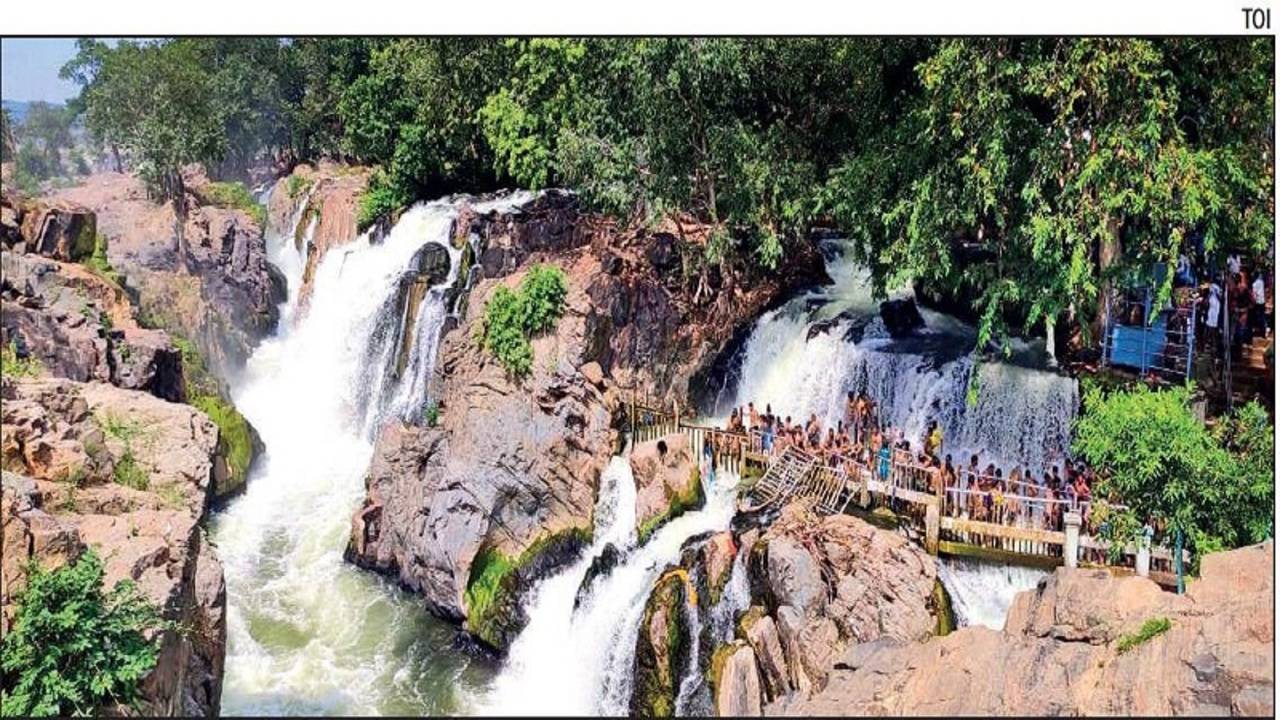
[47, 130]
[75, 648]
[1025, 174]
[1156, 457]
[153, 102]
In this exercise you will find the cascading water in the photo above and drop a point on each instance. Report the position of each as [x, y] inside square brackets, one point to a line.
[306, 632]
[981, 593]
[805, 356]
[579, 661]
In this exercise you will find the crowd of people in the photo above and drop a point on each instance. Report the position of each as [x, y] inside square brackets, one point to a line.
[860, 442]
[1232, 296]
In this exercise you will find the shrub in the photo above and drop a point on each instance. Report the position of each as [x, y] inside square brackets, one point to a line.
[1155, 456]
[1151, 628]
[235, 436]
[381, 199]
[431, 414]
[298, 185]
[74, 648]
[13, 366]
[511, 318]
[235, 196]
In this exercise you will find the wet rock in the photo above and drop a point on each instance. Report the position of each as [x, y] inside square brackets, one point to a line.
[717, 557]
[601, 566]
[662, 646]
[667, 482]
[433, 263]
[735, 681]
[901, 317]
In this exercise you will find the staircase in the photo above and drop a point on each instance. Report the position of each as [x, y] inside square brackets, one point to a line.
[790, 472]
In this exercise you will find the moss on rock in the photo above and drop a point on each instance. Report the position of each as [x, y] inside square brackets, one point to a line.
[497, 582]
[662, 646]
[940, 602]
[692, 498]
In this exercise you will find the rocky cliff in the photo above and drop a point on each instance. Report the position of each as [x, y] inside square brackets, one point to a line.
[193, 267]
[1082, 643]
[320, 203]
[471, 512]
[93, 465]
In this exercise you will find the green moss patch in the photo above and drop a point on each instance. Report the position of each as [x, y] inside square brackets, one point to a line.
[658, 668]
[691, 499]
[497, 580]
[940, 602]
[1150, 629]
[235, 435]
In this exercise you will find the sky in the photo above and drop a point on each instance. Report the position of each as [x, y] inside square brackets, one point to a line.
[29, 69]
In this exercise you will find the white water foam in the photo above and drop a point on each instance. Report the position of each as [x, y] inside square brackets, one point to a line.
[306, 632]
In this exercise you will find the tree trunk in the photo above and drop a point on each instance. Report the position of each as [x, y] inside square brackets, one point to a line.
[1108, 252]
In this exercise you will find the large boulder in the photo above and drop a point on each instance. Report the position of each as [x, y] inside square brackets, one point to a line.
[662, 645]
[667, 482]
[735, 681]
[55, 228]
[1075, 645]
[901, 317]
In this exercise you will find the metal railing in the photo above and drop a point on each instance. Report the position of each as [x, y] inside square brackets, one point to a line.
[1160, 342]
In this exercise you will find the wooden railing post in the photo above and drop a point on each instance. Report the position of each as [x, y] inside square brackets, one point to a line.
[932, 525]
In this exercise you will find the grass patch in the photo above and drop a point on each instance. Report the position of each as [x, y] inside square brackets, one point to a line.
[172, 496]
[297, 185]
[235, 436]
[1150, 629]
[512, 317]
[234, 196]
[127, 471]
[13, 366]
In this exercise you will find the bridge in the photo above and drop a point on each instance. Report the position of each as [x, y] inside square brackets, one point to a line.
[1024, 529]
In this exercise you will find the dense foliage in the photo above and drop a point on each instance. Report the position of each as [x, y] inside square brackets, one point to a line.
[512, 317]
[74, 647]
[1022, 176]
[1155, 456]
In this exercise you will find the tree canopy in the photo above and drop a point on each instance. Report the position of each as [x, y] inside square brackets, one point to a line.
[1022, 175]
[1151, 451]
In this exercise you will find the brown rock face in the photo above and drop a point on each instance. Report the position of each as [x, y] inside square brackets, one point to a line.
[667, 482]
[1061, 653]
[81, 327]
[512, 466]
[54, 228]
[67, 447]
[197, 269]
[736, 683]
[325, 202]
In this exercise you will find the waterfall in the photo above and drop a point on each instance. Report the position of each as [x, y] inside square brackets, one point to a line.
[579, 662]
[805, 356]
[981, 592]
[306, 632]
